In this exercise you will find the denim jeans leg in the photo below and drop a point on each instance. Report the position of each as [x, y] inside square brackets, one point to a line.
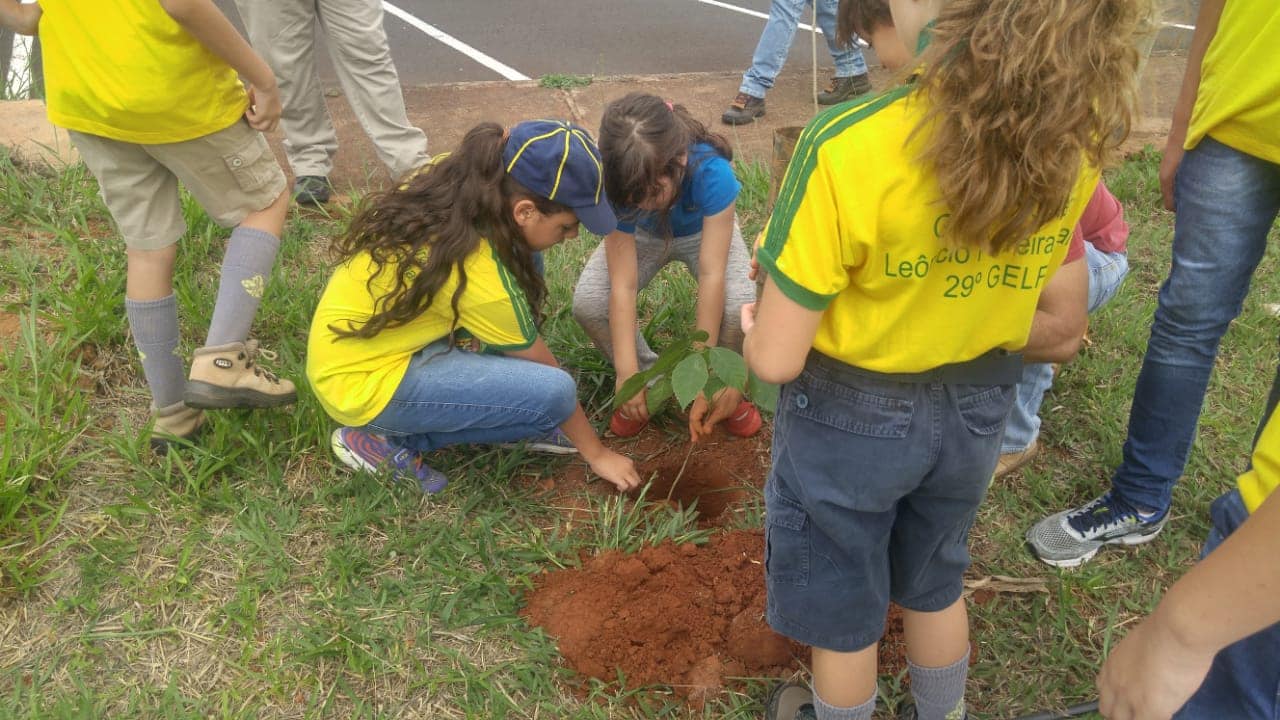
[848, 60]
[1107, 272]
[1023, 425]
[1226, 202]
[773, 47]
[460, 397]
[1243, 681]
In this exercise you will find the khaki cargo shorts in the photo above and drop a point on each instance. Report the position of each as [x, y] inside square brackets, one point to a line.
[231, 173]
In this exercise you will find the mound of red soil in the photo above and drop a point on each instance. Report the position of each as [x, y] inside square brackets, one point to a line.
[680, 615]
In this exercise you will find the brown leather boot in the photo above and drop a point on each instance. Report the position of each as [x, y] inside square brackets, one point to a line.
[744, 109]
[175, 425]
[228, 376]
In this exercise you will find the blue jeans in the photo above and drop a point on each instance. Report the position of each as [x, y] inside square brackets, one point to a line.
[1226, 202]
[461, 397]
[775, 44]
[1106, 272]
[1244, 680]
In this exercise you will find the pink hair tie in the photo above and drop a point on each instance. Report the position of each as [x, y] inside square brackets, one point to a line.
[669, 106]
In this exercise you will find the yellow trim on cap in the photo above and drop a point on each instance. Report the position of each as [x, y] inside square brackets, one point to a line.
[529, 142]
[564, 159]
[577, 134]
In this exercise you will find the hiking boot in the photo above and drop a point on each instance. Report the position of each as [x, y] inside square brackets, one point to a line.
[1071, 537]
[625, 427]
[311, 190]
[845, 88]
[553, 443]
[371, 453]
[790, 701]
[744, 109]
[1009, 462]
[174, 426]
[745, 420]
[226, 376]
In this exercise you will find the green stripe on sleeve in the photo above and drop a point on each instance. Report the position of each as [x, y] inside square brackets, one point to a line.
[805, 158]
[519, 303]
[792, 289]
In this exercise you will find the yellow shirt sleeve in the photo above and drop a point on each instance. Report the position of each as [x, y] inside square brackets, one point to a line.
[1262, 478]
[493, 308]
[805, 251]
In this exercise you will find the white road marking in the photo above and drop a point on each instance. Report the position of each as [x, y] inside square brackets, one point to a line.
[765, 16]
[435, 33]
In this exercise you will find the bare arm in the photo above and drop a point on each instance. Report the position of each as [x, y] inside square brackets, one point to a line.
[1062, 315]
[207, 24]
[18, 17]
[1229, 595]
[779, 334]
[713, 257]
[1206, 28]
[617, 469]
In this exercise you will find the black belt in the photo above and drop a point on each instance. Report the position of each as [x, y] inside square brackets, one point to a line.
[995, 367]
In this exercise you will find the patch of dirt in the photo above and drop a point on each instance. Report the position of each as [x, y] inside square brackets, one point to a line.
[680, 615]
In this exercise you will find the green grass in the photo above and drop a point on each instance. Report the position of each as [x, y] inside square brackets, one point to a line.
[558, 81]
[252, 578]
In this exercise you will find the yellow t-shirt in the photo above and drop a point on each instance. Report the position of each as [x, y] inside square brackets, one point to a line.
[855, 232]
[1238, 103]
[355, 378]
[125, 70]
[1262, 479]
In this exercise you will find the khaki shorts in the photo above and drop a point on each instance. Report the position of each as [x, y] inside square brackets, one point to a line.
[231, 173]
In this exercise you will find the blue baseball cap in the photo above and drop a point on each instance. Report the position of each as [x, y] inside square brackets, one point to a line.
[560, 161]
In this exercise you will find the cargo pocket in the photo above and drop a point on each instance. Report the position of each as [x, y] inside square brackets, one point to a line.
[786, 540]
[984, 412]
[252, 164]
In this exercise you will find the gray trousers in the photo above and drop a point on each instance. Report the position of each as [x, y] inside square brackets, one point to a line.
[591, 296]
[283, 32]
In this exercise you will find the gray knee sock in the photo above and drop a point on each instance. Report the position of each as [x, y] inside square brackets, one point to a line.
[246, 267]
[939, 691]
[154, 324]
[857, 712]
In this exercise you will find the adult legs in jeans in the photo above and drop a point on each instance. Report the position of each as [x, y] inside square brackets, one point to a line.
[461, 397]
[1226, 203]
[775, 43]
[1106, 273]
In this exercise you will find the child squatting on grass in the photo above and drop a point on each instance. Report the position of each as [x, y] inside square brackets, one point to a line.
[676, 193]
[449, 260]
[149, 94]
[914, 260]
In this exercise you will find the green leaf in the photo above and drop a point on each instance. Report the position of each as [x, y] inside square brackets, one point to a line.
[658, 395]
[698, 336]
[729, 367]
[763, 394]
[713, 386]
[633, 385]
[688, 379]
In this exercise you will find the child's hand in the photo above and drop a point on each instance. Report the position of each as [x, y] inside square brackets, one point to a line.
[748, 317]
[264, 108]
[637, 408]
[701, 422]
[617, 469]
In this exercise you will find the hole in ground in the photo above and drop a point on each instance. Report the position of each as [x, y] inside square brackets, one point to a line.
[705, 482]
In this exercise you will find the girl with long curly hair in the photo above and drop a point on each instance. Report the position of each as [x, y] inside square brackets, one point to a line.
[914, 259]
[427, 333]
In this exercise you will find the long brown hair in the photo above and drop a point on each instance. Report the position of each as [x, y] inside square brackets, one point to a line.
[426, 228]
[1019, 92]
[642, 139]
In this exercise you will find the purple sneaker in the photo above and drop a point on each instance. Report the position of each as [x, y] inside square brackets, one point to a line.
[361, 450]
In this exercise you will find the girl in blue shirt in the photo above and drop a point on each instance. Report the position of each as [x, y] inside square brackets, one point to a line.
[672, 184]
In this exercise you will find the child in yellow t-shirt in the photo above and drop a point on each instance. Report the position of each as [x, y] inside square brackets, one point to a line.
[453, 254]
[149, 94]
[913, 259]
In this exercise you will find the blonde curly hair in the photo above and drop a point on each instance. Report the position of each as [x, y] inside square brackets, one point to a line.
[1019, 93]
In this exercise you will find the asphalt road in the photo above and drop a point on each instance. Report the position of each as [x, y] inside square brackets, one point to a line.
[535, 38]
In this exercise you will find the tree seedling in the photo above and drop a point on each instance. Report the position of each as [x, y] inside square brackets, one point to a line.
[686, 369]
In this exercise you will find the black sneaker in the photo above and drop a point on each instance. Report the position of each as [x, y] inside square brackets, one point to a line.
[311, 190]
[745, 109]
[845, 88]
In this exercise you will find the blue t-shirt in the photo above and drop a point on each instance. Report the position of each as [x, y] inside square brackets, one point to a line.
[708, 188]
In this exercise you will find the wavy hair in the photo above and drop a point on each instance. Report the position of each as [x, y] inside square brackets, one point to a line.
[424, 230]
[1019, 92]
[642, 139]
